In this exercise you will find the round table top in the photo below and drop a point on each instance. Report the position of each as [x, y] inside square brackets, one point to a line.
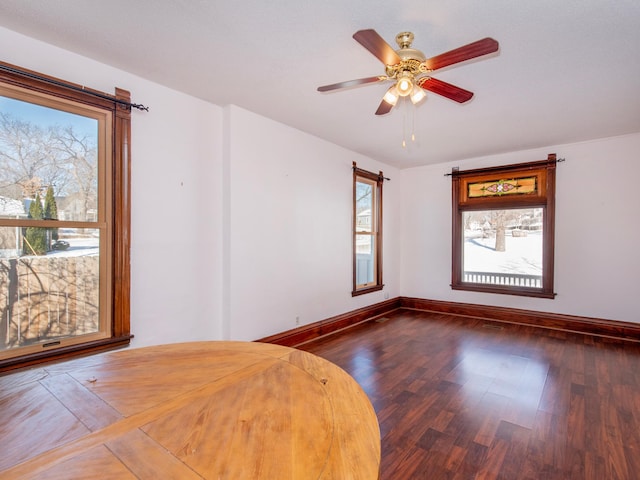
[214, 410]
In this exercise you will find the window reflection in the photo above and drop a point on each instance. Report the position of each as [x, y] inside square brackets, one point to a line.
[492, 379]
[363, 368]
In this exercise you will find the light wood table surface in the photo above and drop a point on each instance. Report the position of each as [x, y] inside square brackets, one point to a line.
[213, 410]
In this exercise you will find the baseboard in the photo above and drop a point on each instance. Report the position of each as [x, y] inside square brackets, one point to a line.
[556, 321]
[303, 334]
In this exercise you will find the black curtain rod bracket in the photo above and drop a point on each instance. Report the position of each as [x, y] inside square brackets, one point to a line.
[73, 87]
[355, 167]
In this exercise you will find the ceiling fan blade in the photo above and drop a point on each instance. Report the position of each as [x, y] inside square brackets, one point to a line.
[384, 107]
[461, 54]
[373, 42]
[351, 83]
[445, 89]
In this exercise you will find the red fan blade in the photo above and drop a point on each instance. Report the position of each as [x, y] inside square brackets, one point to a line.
[467, 52]
[384, 108]
[351, 83]
[373, 42]
[445, 89]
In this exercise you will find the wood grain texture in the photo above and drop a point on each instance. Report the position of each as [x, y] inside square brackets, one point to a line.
[98, 459]
[571, 323]
[31, 411]
[219, 410]
[305, 333]
[466, 398]
[557, 321]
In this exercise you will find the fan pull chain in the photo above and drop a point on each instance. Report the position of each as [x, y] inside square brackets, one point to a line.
[404, 124]
[413, 124]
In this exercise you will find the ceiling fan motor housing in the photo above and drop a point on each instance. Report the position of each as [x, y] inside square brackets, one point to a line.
[411, 59]
[404, 41]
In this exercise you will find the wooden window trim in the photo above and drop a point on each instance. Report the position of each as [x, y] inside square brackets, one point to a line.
[377, 219]
[119, 105]
[544, 198]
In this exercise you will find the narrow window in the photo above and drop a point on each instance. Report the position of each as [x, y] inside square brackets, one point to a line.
[64, 220]
[367, 231]
[503, 229]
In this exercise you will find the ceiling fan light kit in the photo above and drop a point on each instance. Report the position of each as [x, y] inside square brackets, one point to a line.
[409, 68]
[404, 83]
[391, 97]
[417, 95]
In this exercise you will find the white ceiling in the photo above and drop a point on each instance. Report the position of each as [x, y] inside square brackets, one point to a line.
[566, 71]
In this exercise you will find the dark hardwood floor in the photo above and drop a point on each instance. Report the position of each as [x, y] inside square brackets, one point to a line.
[463, 398]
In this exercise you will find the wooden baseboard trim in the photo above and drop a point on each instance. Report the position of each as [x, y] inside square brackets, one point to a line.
[556, 321]
[306, 333]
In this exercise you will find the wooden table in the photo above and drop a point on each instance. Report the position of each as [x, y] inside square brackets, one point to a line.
[214, 410]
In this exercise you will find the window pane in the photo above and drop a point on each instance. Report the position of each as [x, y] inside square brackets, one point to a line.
[503, 247]
[49, 155]
[52, 295]
[365, 259]
[364, 204]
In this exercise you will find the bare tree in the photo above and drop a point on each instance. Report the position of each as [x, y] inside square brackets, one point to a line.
[27, 157]
[34, 158]
[80, 158]
[499, 222]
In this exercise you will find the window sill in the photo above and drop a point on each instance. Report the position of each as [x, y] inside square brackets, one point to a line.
[362, 291]
[65, 353]
[522, 291]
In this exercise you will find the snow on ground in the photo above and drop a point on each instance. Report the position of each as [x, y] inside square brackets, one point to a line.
[523, 255]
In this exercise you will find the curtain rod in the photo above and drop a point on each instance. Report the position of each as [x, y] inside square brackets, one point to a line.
[355, 167]
[71, 86]
[551, 160]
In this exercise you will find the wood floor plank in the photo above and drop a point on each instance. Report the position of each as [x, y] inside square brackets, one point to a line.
[460, 397]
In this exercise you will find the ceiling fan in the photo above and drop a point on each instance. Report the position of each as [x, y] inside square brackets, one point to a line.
[409, 69]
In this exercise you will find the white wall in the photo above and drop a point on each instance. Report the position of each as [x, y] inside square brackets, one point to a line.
[597, 241]
[176, 195]
[240, 224]
[176, 220]
[289, 228]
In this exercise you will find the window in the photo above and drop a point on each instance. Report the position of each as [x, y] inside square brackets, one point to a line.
[64, 218]
[367, 231]
[503, 229]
